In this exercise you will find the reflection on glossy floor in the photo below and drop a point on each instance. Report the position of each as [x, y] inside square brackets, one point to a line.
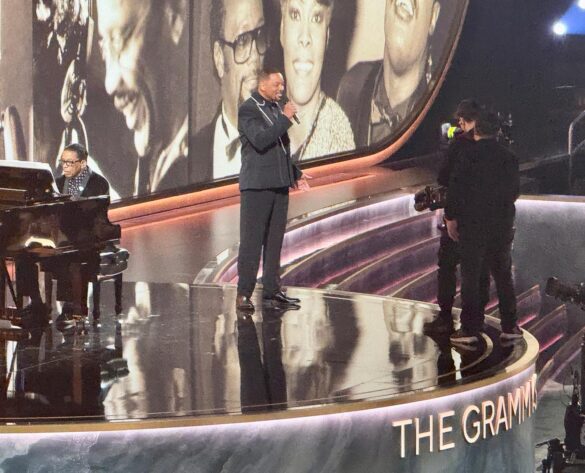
[182, 350]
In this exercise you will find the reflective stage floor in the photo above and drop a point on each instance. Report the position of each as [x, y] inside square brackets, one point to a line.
[182, 354]
[181, 382]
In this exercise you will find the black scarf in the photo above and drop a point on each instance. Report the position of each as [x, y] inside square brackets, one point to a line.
[74, 186]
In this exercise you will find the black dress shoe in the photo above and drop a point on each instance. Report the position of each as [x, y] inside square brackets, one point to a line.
[64, 320]
[35, 316]
[244, 303]
[281, 298]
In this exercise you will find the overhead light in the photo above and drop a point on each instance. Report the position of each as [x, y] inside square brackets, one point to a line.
[581, 4]
[559, 28]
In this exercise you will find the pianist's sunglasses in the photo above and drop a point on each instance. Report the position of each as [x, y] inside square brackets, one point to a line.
[67, 164]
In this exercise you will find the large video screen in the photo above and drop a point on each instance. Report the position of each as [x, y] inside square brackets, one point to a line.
[152, 87]
[114, 76]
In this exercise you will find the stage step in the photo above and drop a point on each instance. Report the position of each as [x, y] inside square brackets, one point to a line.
[528, 304]
[397, 267]
[335, 263]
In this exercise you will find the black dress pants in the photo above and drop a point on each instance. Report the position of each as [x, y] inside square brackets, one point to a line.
[448, 260]
[27, 278]
[263, 215]
[492, 248]
[73, 274]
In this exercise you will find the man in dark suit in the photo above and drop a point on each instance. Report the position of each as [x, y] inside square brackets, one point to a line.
[448, 256]
[78, 180]
[266, 175]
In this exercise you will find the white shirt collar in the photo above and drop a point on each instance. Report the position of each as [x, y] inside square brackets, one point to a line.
[177, 149]
[225, 135]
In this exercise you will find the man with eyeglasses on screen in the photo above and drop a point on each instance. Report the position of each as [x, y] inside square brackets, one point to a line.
[238, 44]
[144, 45]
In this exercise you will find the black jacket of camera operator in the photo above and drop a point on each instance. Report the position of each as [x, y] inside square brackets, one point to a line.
[452, 151]
[434, 197]
[483, 187]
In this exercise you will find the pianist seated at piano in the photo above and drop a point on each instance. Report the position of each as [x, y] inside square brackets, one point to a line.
[72, 270]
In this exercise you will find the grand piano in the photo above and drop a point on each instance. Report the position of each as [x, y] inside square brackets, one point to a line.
[38, 222]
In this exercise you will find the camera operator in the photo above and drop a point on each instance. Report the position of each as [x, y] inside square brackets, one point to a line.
[448, 256]
[479, 214]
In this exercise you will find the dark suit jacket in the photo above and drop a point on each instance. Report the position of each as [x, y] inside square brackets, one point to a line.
[483, 187]
[266, 161]
[201, 152]
[454, 150]
[176, 176]
[97, 185]
[355, 97]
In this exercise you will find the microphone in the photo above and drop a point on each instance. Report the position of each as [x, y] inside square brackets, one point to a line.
[285, 100]
[449, 131]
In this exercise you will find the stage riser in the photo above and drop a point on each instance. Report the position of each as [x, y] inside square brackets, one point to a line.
[328, 228]
[350, 256]
[364, 441]
[407, 263]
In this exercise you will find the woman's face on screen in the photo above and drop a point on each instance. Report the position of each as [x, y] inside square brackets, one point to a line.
[304, 31]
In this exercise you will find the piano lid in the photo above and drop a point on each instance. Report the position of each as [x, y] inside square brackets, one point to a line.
[34, 180]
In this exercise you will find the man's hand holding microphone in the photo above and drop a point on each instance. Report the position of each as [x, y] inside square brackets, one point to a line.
[290, 111]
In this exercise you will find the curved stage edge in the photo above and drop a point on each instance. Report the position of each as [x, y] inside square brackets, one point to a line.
[181, 382]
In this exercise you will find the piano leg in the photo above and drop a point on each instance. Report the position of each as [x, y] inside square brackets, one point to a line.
[3, 286]
[27, 285]
[19, 285]
[96, 300]
[118, 293]
[78, 288]
[48, 291]
[8, 281]
[27, 282]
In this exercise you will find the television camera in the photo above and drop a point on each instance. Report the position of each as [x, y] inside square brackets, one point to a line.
[431, 198]
[563, 456]
[450, 130]
[575, 294]
[434, 197]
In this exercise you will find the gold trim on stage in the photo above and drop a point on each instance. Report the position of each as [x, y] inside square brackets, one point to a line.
[524, 363]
